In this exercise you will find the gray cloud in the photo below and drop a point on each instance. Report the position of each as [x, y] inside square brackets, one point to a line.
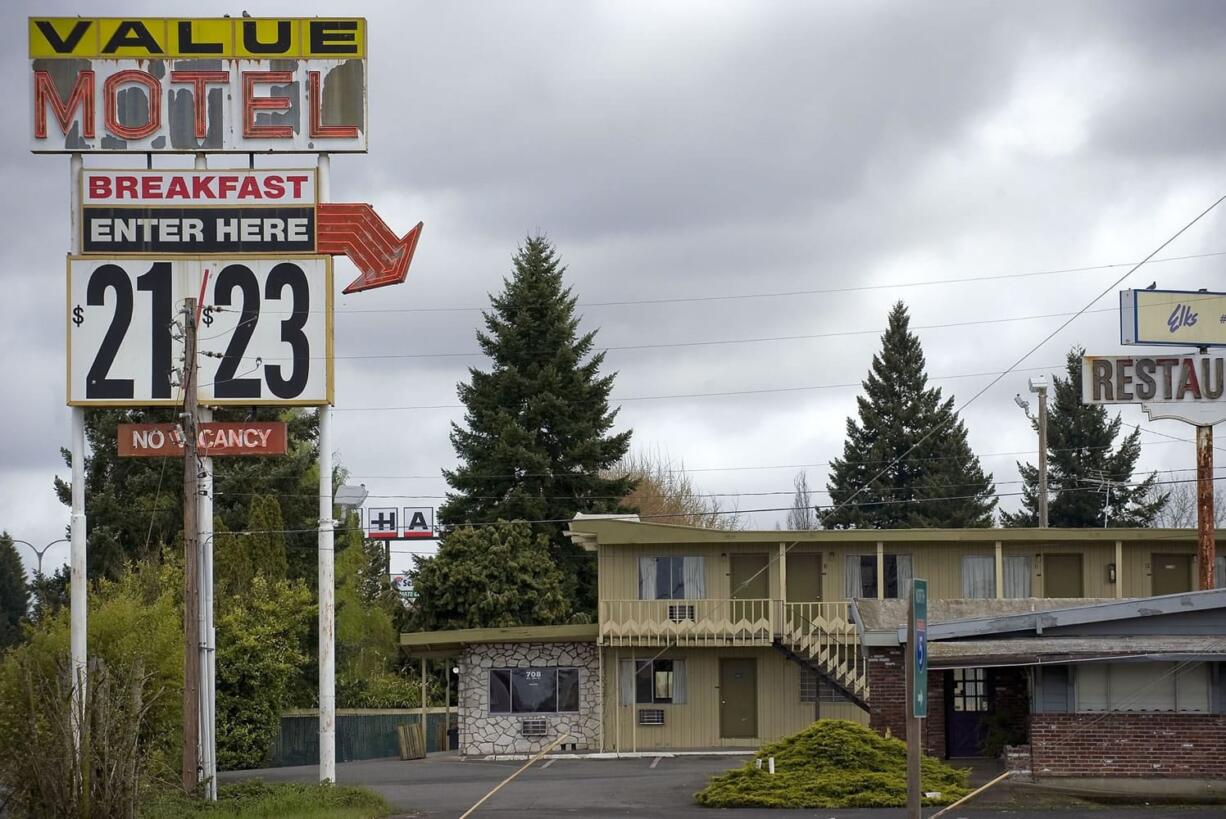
[706, 149]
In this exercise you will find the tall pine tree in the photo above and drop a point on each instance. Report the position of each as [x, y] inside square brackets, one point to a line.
[14, 594]
[938, 483]
[537, 437]
[1083, 462]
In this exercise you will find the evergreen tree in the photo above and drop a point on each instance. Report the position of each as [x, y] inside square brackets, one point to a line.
[49, 593]
[536, 435]
[14, 594]
[1083, 461]
[937, 481]
[490, 576]
[265, 538]
[232, 567]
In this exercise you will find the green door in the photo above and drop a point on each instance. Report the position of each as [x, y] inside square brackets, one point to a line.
[1172, 574]
[1062, 576]
[804, 577]
[748, 576]
[738, 697]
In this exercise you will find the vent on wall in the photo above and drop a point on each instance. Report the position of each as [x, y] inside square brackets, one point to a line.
[680, 612]
[651, 716]
[533, 728]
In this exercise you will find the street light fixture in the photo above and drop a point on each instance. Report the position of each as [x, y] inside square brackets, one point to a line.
[42, 551]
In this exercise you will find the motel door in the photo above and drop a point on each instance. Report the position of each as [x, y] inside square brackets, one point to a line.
[968, 705]
[1172, 574]
[738, 697]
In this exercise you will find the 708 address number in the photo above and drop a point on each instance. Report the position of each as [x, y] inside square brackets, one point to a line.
[263, 333]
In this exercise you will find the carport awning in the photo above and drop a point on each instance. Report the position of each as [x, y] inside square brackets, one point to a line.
[449, 643]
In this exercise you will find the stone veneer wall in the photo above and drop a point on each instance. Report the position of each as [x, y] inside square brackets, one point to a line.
[483, 733]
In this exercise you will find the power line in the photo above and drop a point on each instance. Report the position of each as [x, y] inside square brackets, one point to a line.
[701, 343]
[806, 292]
[720, 394]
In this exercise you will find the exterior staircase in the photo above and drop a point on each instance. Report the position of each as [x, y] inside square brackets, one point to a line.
[823, 638]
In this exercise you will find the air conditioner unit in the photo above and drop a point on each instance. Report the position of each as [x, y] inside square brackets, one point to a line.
[651, 716]
[680, 612]
[533, 728]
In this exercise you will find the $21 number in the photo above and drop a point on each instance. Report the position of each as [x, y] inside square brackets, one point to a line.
[235, 282]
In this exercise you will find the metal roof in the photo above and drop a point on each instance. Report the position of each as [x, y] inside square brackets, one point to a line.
[883, 622]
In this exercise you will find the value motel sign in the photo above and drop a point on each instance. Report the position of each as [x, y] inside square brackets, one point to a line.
[238, 84]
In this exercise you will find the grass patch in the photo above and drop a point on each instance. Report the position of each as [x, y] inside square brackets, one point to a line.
[261, 800]
[832, 764]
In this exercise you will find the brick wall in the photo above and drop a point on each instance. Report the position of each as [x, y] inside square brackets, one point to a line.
[888, 700]
[1166, 745]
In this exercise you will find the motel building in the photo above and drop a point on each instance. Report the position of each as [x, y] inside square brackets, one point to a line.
[1086, 648]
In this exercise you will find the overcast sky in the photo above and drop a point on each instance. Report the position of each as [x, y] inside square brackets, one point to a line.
[675, 151]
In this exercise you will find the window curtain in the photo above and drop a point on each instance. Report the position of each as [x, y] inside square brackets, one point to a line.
[678, 682]
[1219, 572]
[851, 577]
[625, 681]
[1017, 576]
[647, 578]
[695, 583]
[978, 577]
[904, 575]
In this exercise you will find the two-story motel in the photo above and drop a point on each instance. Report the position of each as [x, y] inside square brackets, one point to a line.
[727, 639]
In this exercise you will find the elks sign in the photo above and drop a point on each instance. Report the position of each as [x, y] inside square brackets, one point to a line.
[229, 211]
[114, 85]
[1178, 387]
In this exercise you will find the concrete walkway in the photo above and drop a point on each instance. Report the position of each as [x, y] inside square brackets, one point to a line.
[445, 786]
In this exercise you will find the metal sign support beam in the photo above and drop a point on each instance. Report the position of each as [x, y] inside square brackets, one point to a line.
[79, 585]
[327, 590]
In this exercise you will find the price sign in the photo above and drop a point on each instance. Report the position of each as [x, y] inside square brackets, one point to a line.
[264, 335]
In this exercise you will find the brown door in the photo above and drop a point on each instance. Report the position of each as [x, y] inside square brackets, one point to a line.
[748, 576]
[804, 577]
[738, 697]
[1062, 576]
[1172, 574]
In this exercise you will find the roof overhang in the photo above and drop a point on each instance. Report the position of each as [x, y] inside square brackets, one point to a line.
[629, 530]
[451, 642]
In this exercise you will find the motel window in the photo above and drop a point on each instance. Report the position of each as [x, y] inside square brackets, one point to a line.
[813, 687]
[648, 682]
[860, 576]
[534, 690]
[671, 578]
[1154, 687]
[978, 577]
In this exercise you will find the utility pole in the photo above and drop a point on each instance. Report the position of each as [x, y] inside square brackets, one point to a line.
[191, 556]
[1039, 385]
[1205, 536]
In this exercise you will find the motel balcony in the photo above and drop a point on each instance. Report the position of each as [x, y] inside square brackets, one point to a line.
[723, 622]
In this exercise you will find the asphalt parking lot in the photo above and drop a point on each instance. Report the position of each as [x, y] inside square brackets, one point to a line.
[445, 786]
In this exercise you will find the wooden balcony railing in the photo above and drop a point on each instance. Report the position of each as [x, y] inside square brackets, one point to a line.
[688, 622]
[822, 634]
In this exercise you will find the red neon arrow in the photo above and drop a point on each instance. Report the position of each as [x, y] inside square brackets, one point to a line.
[356, 231]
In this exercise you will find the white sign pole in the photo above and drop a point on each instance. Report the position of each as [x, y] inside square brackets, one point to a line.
[79, 586]
[208, 636]
[327, 592]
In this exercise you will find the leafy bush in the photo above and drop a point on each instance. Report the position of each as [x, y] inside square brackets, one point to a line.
[832, 764]
[132, 714]
[260, 651]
